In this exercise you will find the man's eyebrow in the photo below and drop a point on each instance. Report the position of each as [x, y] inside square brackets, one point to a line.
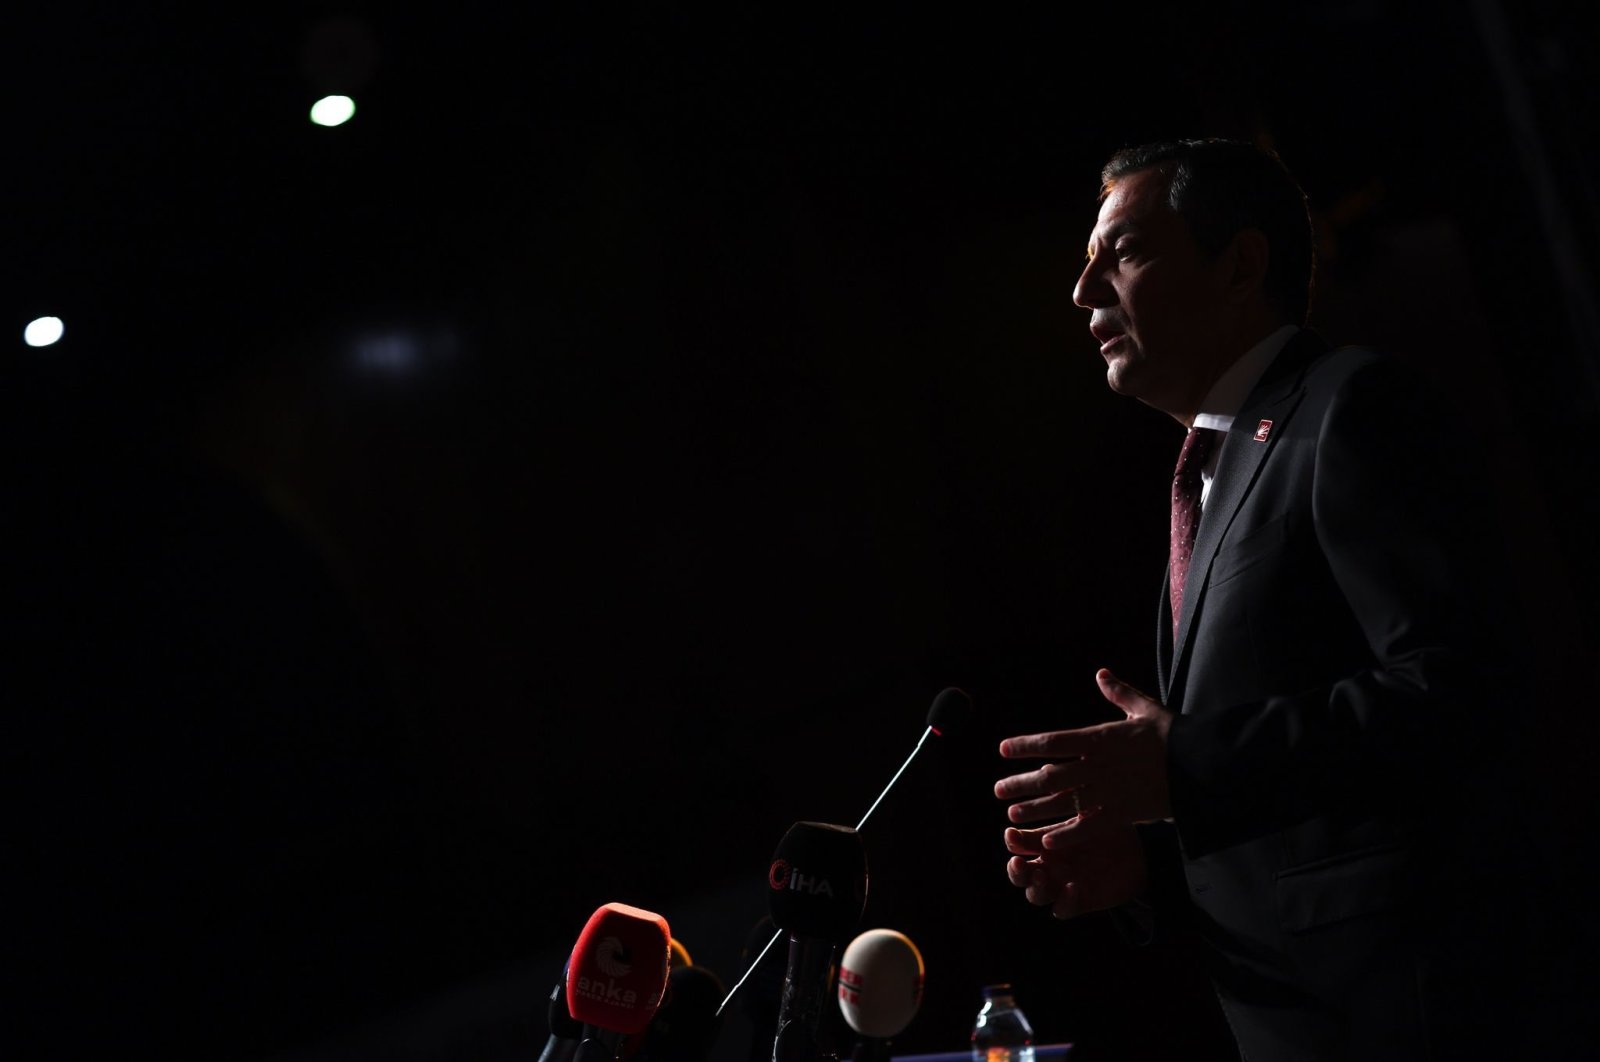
[1111, 235]
[1115, 232]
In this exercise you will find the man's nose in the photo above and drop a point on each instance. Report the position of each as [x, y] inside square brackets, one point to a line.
[1092, 291]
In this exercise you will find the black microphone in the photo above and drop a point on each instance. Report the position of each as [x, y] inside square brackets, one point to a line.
[686, 1025]
[760, 1003]
[566, 1032]
[880, 990]
[818, 882]
[948, 714]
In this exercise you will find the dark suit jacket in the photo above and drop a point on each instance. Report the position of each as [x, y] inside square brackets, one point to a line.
[1341, 657]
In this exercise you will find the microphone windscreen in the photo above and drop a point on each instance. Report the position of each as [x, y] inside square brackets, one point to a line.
[562, 1024]
[763, 986]
[818, 881]
[680, 954]
[687, 1023]
[880, 983]
[618, 969]
[950, 711]
[756, 940]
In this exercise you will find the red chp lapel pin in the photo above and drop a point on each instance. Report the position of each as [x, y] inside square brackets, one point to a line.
[1263, 430]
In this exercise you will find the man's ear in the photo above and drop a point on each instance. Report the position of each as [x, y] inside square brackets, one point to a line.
[1247, 254]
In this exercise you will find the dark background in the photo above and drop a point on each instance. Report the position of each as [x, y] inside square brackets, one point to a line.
[593, 458]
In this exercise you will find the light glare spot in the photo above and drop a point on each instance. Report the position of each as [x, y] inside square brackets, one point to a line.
[43, 331]
[403, 350]
[333, 110]
[395, 353]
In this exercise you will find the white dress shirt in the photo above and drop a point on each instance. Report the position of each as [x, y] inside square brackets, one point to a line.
[1222, 402]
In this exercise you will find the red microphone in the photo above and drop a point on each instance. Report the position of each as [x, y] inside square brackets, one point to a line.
[616, 977]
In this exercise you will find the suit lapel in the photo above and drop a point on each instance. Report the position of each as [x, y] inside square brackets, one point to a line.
[1238, 465]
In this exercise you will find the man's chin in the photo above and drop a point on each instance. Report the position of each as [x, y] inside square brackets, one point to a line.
[1121, 378]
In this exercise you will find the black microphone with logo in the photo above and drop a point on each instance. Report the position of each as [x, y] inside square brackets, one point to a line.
[818, 882]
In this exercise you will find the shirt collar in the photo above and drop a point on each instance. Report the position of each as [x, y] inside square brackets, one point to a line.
[1227, 395]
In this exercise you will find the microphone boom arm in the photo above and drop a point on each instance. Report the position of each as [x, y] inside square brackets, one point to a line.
[920, 742]
[757, 961]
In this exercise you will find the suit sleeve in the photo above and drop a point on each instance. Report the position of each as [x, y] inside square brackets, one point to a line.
[1160, 916]
[1405, 543]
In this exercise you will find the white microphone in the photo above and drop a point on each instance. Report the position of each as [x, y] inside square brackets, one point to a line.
[880, 990]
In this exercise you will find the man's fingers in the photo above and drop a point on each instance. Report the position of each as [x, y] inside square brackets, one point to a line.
[1055, 745]
[1036, 882]
[1076, 832]
[1065, 836]
[1130, 699]
[1055, 806]
[1068, 902]
[1051, 778]
[1044, 887]
[1027, 842]
[1024, 842]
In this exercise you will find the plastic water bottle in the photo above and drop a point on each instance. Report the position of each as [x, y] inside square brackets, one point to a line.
[1002, 1032]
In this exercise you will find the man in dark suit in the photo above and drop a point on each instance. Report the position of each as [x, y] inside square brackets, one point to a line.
[1319, 799]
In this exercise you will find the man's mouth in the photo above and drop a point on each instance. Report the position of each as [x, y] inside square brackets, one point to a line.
[1106, 334]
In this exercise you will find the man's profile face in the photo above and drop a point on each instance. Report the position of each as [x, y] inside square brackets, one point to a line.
[1154, 296]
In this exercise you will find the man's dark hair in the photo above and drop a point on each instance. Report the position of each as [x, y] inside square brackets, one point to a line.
[1221, 187]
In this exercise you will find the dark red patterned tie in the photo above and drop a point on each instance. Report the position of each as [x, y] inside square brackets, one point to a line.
[1197, 447]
